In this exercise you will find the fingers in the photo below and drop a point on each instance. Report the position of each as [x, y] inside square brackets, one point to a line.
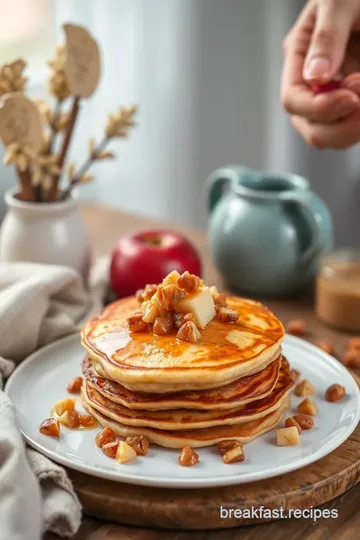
[314, 52]
[327, 107]
[352, 83]
[338, 135]
[295, 48]
[327, 47]
[296, 96]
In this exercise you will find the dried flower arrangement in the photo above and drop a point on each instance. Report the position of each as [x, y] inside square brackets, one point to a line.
[37, 137]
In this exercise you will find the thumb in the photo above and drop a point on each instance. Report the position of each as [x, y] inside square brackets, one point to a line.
[329, 40]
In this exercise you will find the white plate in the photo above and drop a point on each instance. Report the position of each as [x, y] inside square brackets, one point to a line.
[42, 378]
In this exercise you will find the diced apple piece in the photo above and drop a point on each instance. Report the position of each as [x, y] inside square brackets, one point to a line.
[70, 419]
[87, 421]
[105, 436]
[189, 332]
[171, 279]
[227, 315]
[307, 406]
[201, 305]
[188, 282]
[125, 453]
[214, 291]
[66, 404]
[304, 420]
[150, 312]
[290, 422]
[335, 392]
[155, 300]
[110, 449]
[74, 385]
[288, 436]
[304, 388]
[50, 427]
[232, 451]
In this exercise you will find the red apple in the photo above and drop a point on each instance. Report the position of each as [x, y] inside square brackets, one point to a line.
[147, 257]
[327, 87]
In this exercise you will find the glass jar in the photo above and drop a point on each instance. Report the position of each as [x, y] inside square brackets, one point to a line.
[338, 290]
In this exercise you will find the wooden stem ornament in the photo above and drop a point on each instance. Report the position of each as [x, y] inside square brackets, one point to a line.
[21, 133]
[26, 190]
[53, 193]
[75, 73]
[78, 177]
[54, 122]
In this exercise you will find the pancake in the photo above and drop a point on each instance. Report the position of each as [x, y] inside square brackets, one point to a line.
[144, 362]
[240, 392]
[199, 437]
[188, 419]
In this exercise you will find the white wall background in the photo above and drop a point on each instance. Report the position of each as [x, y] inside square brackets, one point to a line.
[196, 68]
[206, 75]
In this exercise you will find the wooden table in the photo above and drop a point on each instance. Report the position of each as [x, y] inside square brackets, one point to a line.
[105, 226]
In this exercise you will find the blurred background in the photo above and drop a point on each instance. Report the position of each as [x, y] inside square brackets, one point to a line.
[206, 76]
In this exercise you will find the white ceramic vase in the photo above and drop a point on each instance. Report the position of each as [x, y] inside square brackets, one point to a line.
[50, 233]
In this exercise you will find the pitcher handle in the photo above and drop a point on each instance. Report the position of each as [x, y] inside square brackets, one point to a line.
[301, 198]
[216, 182]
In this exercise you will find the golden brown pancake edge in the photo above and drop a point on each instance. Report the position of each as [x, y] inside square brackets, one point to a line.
[240, 392]
[197, 438]
[157, 364]
[180, 419]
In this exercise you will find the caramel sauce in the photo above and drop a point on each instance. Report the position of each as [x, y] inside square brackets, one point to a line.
[338, 295]
[220, 344]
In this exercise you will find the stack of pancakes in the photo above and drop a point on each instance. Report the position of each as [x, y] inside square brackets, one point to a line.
[232, 384]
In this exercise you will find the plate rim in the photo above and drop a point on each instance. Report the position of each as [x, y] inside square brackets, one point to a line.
[188, 483]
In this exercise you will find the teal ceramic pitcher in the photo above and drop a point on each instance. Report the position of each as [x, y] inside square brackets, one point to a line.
[267, 232]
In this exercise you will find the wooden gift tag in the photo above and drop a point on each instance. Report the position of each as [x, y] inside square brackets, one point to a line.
[20, 122]
[82, 63]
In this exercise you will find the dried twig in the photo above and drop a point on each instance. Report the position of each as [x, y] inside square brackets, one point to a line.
[54, 122]
[59, 88]
[117, 125]
[13, 80]
[22, 158]
[65, 146]
[45, 171]
[80, 176]
[58, 82]
[26, 192]
[11, 77]
[40, 175]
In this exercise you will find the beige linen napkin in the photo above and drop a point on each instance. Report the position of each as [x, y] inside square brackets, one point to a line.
[38, 304]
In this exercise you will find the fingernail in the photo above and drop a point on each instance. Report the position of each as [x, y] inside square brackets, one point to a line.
[317, 67]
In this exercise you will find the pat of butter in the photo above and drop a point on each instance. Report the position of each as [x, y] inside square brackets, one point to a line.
[201, 305]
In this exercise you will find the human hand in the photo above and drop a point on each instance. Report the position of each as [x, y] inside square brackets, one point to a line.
[323, 44]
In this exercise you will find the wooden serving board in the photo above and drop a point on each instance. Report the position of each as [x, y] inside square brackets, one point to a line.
[308, 487]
